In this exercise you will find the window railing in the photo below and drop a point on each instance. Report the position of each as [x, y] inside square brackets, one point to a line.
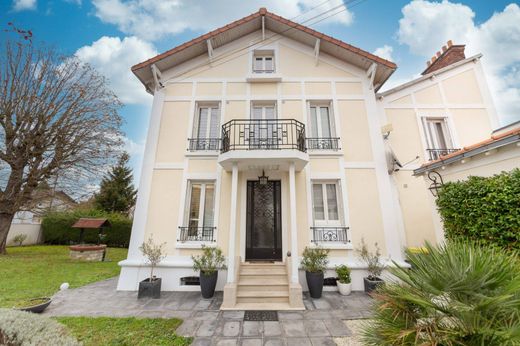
[197, 234]
[324, 143]
[197, 144]
[263, 134]
[436, 154]
[329, 234]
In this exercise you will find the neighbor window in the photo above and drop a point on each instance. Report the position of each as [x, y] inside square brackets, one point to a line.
[322, 131]
[325, 196]
[200, 205]
[438, 139]
[263, 61]
[206, 127]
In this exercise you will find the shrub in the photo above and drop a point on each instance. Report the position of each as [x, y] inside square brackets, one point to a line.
[20, 238]
[19, 328]
[210, 261]
[154, 253]
[57, 228]
[343, 273]
[483, 209]
[373, 260]
[458, 294]
[315, 260]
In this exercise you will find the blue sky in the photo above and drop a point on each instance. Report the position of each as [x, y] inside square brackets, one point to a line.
[112, 35]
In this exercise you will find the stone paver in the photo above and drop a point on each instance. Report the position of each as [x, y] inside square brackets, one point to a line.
[326, 321]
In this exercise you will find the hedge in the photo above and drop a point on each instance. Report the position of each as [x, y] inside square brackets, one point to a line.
[57, 228]
[483, 209]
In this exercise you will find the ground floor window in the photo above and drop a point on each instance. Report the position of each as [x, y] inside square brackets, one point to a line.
[200, 211]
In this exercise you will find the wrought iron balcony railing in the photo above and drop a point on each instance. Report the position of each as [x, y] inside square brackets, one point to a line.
[331, 143]
[437, 153]
[267, 134]
[197, 234]
[199, 144]
[329, 234]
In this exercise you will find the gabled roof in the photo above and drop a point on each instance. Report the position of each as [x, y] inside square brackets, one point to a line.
[276, 24]
[496, 141]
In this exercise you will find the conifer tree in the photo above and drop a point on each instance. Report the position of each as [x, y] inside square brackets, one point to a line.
[117, 193]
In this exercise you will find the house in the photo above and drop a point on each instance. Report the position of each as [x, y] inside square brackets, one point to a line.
[266, 137]
[28, 221]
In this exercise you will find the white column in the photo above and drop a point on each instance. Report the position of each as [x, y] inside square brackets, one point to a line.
[232, 224]
[294, 229]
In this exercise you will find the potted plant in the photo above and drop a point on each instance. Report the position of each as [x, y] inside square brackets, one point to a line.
[36, 305]
[374, 266]
[151, 287]
[344, 281]
[314, 262]
[208, 264]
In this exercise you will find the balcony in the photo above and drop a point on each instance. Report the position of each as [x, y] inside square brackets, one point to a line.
[204, 144]
[329, 235]
[435, 154]
[257, 142]
[196, 234]
[323, 143]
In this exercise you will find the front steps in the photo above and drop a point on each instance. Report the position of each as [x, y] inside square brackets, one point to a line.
[263, 286]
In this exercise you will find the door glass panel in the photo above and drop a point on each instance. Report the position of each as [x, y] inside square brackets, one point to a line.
[203, 122]
[194, 205]
[317, 193]
[325, 122]
[314, 123]
[332, 202]
[209, 205]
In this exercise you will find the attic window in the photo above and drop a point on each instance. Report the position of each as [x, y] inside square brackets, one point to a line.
[263, 61]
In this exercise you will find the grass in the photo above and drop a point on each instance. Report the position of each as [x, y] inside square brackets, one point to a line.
[125, 331]
[38, 271]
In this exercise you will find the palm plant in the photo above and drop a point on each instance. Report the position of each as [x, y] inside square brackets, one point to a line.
[457, 294]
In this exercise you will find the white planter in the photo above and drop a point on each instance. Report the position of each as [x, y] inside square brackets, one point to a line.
[344, 289]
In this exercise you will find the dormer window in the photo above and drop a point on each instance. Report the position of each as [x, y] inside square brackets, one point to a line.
[263, 61]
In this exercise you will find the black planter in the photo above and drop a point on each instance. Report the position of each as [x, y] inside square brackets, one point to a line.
[372, 284]
[40, 304]
[150, 289]
[315, 283]
[208, 284]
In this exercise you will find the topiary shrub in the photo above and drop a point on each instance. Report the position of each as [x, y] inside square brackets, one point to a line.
[457, 294]
[19, 328]
[483, 209]
[57, 228]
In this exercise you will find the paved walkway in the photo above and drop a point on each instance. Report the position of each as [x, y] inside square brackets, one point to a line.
[321, 322]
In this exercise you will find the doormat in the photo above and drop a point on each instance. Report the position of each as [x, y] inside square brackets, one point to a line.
[253, 315]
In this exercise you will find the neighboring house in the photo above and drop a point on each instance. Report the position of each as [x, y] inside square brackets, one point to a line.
[266, 137]
[28, 221]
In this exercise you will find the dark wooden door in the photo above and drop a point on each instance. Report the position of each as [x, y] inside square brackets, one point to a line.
[264, 221]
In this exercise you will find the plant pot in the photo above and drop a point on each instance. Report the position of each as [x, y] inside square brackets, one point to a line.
[344, 289]
[150, 289]
[315, 283]
[372, 284]
[208, 284]
[36, 305]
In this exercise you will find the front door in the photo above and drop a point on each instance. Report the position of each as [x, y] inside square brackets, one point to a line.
[264, 220]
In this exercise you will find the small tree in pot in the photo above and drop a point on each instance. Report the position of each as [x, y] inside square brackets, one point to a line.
[314, 262]
[208, 264]
[344, 281]
[154, 253]
[374, 266]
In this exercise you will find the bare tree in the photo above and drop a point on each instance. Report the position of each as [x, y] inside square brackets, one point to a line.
[58, 118]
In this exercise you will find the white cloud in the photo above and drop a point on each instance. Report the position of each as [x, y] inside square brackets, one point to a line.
[113, 58]
[152, 19]
[385, 52]
[21, 5]
[426, 26]
[133, 148]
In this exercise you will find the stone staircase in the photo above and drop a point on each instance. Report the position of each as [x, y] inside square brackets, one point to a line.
[264, 286]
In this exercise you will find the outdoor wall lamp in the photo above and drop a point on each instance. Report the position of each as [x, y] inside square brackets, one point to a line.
[436, 184]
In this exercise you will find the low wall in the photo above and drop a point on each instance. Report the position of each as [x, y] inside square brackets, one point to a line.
[33, 232]
[92, 253]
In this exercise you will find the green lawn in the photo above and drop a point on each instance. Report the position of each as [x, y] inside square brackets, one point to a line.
[38, 271]
[125, 331]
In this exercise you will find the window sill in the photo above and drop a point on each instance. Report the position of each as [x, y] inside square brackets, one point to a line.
[194, 245]
[263, 77]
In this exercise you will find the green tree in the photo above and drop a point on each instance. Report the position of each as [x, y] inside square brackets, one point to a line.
[117, 193]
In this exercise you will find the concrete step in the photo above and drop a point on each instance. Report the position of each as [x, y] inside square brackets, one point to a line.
[263, 271]
[262, 294]
[265, 300]
[263, 281]
[284, 306]
[262, 264]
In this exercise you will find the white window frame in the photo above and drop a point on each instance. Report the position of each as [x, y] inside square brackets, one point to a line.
[264, 104]
[332, 119]
[202, 202]
[263, 55]
[339, 202]
[212, 106]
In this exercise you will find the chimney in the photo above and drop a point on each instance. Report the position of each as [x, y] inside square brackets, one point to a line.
[449, 54]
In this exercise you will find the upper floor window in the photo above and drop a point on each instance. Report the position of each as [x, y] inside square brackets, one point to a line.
[200, 211]
[322, 131]
[206, 127]
[263, 61]
[438, 138]
[326, 203]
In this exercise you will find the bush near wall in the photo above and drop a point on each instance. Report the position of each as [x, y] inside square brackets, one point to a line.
[483, 209]
[57, 228]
